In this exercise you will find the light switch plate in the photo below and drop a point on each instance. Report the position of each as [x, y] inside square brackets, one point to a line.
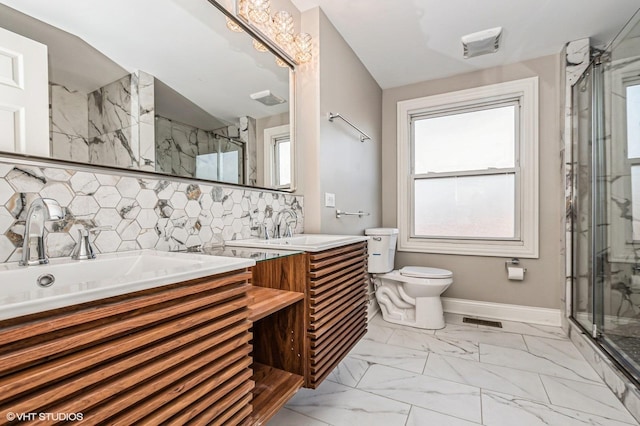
[329, 199]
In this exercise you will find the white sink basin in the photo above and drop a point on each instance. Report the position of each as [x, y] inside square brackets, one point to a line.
[108, 275]
[303, 242]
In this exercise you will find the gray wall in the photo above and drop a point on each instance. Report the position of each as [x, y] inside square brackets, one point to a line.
[484, 278]
[332, 157]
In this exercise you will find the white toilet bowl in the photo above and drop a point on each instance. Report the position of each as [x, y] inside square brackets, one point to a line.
[411, 296]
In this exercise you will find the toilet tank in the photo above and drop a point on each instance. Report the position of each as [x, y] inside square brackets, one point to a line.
[382, 249]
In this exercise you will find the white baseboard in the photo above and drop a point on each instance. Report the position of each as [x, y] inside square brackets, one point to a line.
[502, 311]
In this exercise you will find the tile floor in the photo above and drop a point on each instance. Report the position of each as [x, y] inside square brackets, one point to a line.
[461, 375]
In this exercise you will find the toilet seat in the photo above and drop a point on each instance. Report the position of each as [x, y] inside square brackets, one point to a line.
[396, 275]
[425, 272]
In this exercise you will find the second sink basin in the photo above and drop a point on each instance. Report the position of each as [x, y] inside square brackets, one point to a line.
[303, 242]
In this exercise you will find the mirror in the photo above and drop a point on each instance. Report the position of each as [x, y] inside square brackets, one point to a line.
[162, 86]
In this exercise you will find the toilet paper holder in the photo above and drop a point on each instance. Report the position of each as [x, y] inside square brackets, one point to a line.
[513, 262]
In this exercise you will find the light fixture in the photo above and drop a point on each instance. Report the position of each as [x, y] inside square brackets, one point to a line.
[283, 27]
[258, 10]
[303, 45]
[482, 42]
[279, 28]
[259, 46]
[233, 25]
[267, 98]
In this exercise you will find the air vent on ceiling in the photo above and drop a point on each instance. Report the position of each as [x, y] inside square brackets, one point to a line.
[482, 42]
[267, 98]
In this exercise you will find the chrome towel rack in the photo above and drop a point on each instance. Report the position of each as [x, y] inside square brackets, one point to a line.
[340, 213]
[363, 135]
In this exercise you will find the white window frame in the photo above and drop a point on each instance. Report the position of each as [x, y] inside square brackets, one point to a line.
[526, 244]
[271, 137]
[620, 236]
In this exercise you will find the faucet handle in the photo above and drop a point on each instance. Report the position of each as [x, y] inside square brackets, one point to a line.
[264, 229]
[83, 249]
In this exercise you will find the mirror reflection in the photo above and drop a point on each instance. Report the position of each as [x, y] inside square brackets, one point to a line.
[175, 92]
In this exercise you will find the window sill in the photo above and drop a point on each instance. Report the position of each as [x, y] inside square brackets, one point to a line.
[466, 248]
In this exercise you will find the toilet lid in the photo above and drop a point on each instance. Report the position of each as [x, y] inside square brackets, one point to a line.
[423, 272]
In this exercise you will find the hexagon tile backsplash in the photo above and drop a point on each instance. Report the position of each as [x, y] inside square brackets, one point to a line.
[139, 212]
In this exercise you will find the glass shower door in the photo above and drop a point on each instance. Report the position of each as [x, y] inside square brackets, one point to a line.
[606, 223]
[587, 297]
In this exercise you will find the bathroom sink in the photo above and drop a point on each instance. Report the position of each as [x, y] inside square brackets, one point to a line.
[304, 242]
[71, 282]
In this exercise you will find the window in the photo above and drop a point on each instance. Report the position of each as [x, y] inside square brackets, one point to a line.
[623, 166]
[277, 158]
[468, 166]
[632, 90]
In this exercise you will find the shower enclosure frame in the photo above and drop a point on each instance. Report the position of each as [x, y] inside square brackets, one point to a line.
[602, 271]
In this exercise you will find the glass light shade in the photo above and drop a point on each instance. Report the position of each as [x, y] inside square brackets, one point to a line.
[259, 46]
[233, 26]
[283, 27]
[258, 10]
[304, 45]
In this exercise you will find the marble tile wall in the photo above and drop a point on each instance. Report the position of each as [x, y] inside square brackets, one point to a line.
[111, 126]
[248, 135]
[142, 212]
[69, 123]
[577, 57]
[179, 144]
[117, 114]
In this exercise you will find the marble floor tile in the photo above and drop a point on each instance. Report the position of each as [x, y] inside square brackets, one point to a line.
[393, 356]
[549, 363]
[505, 410]
[482, 335]
[338, 405]
[421, 417]
[595, 399]
[286, 417]
[436, 344]
[487, 376]
[427, 392]
[377, 320]
[349, 371]
[378, 333]
[530, 329]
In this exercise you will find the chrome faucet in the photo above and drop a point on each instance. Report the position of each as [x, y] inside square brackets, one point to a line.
[83, 249]
[40, 210]
[276, 223]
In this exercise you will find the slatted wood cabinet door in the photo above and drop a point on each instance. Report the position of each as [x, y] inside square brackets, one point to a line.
[337, 307]
[177, 354]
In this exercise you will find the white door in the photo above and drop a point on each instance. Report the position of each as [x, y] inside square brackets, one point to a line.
[24, 95]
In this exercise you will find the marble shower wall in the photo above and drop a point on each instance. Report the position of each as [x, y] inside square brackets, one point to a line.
[248, 135]
[121, 123]
[112, 125]
[142, 212]
[576, 62]
[178, 145]
[69, 123]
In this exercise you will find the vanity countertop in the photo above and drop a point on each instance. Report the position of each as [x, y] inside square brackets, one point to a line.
[255, 254]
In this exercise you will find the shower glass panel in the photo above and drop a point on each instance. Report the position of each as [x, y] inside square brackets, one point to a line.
[606, 222]
[583, 311]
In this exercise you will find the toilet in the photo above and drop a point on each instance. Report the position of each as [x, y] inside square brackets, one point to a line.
[408, 296]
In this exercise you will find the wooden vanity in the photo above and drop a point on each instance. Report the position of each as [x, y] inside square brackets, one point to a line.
[177, 354]
[231, 348]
